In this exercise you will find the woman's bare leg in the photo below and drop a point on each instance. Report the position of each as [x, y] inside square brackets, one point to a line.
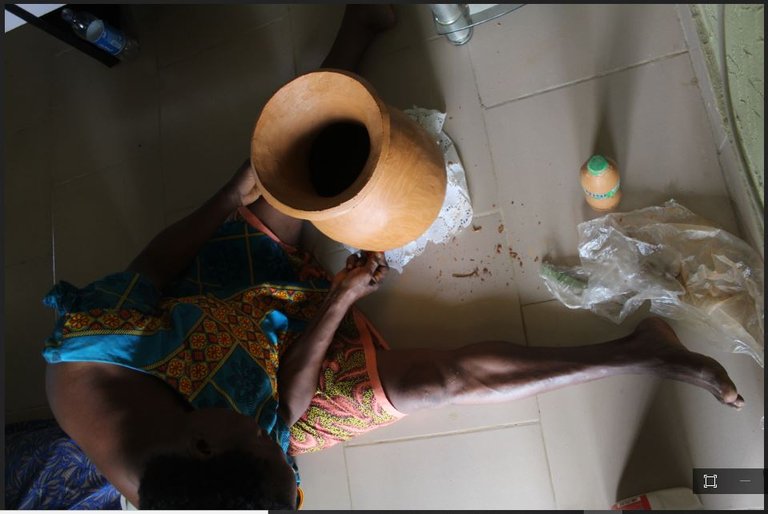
[500, 371]
[359, 27]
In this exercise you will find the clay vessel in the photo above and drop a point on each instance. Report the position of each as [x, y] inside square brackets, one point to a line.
[399, 189]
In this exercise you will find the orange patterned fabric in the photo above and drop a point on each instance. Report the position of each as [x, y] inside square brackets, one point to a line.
[350, 400]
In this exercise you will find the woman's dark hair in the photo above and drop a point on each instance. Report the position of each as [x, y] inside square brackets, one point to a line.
[231, 480]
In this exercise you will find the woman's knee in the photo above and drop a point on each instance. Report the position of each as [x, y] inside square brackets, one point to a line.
[421, 383]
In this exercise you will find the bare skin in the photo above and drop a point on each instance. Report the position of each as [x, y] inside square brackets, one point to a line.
[499, 371]
[122, 418]
[359, 27]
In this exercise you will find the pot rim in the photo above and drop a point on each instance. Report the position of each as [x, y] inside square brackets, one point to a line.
[366, 180]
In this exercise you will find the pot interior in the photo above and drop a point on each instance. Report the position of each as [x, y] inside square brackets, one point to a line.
[318, 140]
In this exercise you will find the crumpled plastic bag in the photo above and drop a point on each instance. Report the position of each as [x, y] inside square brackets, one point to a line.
[684, 266]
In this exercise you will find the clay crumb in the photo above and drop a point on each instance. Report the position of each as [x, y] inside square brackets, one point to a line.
[472, 273]
[487, 271]
[501, 228]
[536, 259]
[475, 228]
[512, 253]
[521, 262]
[539, 223]
[498, 248]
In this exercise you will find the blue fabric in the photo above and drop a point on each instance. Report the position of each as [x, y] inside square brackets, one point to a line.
[214, 335]
[45, 469]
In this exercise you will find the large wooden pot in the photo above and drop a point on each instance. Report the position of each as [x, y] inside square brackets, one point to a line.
[399, 189]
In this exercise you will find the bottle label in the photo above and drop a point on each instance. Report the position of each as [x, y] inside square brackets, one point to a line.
[110, 40]
[603, 196]
[635, 503]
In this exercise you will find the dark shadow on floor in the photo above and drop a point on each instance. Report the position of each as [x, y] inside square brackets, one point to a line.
[659, 458]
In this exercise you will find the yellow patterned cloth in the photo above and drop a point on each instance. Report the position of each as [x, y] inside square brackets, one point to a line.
[217, 334]
[350, 400]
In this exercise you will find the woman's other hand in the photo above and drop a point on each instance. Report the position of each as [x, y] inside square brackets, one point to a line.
[242, 186]
[361, 276]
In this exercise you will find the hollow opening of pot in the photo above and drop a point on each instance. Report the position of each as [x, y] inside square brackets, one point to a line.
[336, 157]
[317, 141]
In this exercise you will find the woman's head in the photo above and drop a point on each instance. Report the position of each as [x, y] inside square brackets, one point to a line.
[223, 460]
[231, 480]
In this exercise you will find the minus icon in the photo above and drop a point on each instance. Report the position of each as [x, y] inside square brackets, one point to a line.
[745, 481]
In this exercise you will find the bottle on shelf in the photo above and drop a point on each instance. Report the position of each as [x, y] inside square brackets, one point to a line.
[99, 33]
[601, 183]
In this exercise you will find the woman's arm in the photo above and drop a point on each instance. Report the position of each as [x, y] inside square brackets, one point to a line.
[171, 251]
[299, 370]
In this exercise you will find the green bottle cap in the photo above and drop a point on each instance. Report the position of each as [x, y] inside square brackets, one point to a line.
[597, 165]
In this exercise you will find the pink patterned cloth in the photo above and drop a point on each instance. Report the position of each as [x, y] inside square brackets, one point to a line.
[350, 399]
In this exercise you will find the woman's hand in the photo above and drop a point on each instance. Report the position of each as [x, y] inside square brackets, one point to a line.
[361, 276]
[242, 187]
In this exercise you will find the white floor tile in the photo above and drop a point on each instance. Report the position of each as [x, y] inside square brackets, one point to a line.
[718, 436]
[27, 324]
[103, 220]
[492, 469]
[414, 25]
[28, 54]
[210, 104]
[538, 47]
[440, 76]
[183, 31]
[589, 429]
[135, 147]
[324, 479]
[650, 119]
[452, 294]
[27, 195]
[453, 419]
[313, 30]
[628, 435]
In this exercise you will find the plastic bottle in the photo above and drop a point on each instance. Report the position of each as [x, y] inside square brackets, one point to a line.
[601, 183]
[676, 498]
[96, 31]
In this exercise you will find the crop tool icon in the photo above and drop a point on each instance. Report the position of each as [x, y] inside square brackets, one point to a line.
[710, 481]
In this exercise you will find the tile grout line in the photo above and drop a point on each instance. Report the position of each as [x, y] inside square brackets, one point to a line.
[221, 43]
[445, 434]
[485, 213]
[539, 302]
[587, 79]
[346, 475]
[721, 146]
[163, 187]
[53, 242]
[546, 455]
[292, 37]
[485, 125]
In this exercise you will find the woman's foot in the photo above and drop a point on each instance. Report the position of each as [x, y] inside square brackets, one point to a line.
[359, 27]
[659, 347]
[374, 17]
